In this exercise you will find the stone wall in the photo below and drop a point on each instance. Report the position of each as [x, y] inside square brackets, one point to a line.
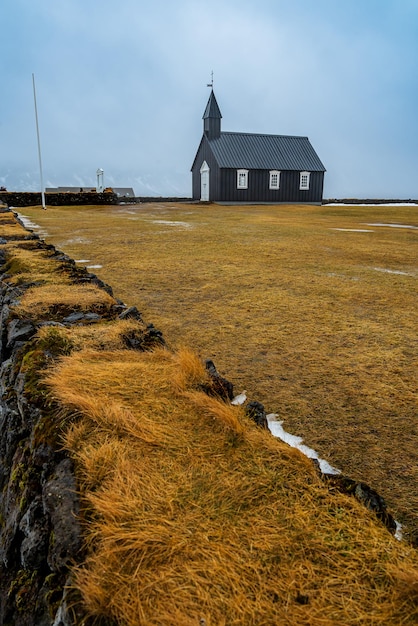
[370, 201]
[39, 531]
[25, 198]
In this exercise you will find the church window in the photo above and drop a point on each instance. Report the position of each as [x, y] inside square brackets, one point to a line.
[242, 179]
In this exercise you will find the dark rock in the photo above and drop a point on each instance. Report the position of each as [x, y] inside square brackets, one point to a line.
[101, 284]
[6, 373]
[218, 386]
[50, 323]
[153, 336]
[61, 256]
[61, 503]
[366, 495]
[73, 318]
[78, 316]
[92, 317]
[43, 459]
[374, 502]
[255, 411]
[19, 330]
[130, 312]
[144, 340]
[34, 547]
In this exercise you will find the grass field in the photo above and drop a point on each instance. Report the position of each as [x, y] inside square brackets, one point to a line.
[191, 514]
[311, 310]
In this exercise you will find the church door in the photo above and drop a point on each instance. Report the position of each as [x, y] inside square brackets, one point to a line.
[204, 182]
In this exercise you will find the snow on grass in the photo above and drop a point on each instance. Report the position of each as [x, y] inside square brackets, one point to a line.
[27, 223]
[394, 225]
[171, 223]
[277, 430]
[369, 204]
[354, 230]
[387, 271]
[75, 240]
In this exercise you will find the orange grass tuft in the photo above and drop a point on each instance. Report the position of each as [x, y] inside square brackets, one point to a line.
[57, 298]
[11, 229]
[224, 413]
[191, 372]
[27, 263]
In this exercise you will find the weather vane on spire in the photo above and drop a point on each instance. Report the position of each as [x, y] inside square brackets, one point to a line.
[211, 82]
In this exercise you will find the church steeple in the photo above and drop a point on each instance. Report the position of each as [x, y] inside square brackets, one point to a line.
[212, 118]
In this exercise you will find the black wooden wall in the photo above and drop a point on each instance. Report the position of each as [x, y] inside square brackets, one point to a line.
[223, 183]
[258, 187]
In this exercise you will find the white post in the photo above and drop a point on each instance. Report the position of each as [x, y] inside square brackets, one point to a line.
[99, 174]
[39, 144]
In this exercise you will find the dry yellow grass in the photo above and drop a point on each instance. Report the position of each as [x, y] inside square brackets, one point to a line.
[193, 515]
[10, 228]
[55, 299]
[29, 263]
[314, 322]
[196, 514]
[104, 336]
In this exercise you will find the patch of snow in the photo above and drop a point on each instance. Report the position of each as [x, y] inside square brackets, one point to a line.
[398, 531]
[75, 240]
[278, 431]
[370, 204]
[354, 230]
[82, 261]
[382, 269]
[94, 267]
[395, 225]
[27, 223]
[239, 399]
[169, 223]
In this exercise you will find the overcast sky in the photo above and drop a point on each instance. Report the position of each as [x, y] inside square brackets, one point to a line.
[121, 85]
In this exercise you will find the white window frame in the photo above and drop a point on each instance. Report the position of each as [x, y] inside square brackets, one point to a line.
[242, 179]
[274, 179]
[304, 180]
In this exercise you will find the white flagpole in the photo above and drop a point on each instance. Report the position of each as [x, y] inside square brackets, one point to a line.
[39, 144]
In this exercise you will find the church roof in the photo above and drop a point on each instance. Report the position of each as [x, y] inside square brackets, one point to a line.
[212, 108]
[256, 151]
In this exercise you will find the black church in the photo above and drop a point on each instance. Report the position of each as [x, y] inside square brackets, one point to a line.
[247, 167]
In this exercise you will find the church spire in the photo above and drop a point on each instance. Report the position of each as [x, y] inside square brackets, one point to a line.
[212, 118]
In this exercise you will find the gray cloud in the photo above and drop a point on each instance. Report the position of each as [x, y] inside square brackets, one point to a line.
[122, 86]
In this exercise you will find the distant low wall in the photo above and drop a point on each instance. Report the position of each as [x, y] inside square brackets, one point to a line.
[26, 198]
[158, 199]
[372, 201]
